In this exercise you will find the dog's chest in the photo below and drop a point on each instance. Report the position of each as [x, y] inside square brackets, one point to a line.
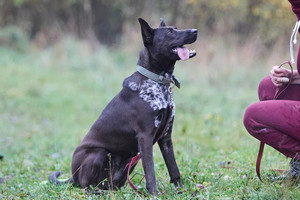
[156, 95]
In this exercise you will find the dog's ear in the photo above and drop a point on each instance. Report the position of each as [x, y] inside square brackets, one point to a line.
[162, 22]
[147, 32]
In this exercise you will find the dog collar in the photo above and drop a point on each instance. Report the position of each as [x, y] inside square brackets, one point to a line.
[158, 78]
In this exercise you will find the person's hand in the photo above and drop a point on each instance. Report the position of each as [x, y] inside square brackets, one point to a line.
[280, 76]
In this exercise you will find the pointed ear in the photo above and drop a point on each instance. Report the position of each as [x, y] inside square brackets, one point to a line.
[162, 22]
[147, 32]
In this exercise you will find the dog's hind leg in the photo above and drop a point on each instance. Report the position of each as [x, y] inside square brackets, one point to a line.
[94, 169]
[120, 173]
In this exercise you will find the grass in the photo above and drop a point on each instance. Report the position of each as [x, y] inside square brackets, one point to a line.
[51, 97]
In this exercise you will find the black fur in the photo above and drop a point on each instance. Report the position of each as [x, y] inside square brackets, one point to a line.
[134, 119]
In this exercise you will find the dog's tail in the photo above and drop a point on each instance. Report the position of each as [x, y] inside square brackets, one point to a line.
[53, 178]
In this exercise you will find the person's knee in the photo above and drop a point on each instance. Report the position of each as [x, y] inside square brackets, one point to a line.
[254, 121]
[266, 89]
[250, 118]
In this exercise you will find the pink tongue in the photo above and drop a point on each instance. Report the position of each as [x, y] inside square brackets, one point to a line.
[183, 53]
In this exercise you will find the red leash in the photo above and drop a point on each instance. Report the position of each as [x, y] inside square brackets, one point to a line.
[277, 94]
[132, 163]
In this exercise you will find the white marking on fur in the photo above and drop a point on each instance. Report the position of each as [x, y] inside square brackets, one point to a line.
[173, 110]
[156, 121]
[167, 131]
[155, 94]
[133, 86]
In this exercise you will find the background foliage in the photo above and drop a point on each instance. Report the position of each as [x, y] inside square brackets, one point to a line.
[47, 20]
[62, 61]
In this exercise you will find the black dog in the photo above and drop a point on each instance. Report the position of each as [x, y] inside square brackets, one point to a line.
[137, 117]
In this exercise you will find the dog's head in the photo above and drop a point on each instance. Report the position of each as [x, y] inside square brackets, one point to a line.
[167, 42]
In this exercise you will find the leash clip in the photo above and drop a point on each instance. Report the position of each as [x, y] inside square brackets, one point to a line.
[172, 85]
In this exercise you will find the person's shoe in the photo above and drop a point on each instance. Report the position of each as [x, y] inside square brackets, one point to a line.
[294, 174]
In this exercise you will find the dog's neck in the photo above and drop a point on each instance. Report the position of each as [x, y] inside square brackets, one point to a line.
[164, 68]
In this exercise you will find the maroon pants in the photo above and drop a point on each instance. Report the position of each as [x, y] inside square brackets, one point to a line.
[276, 122]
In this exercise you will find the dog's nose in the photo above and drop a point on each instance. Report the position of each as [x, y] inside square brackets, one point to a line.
[194, 31]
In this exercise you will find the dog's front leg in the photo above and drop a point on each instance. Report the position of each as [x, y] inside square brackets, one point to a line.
[166, 147]
[146, 151]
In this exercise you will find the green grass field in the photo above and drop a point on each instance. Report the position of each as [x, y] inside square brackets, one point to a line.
[50, 98]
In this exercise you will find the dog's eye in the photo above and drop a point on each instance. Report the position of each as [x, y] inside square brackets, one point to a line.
[170, 31]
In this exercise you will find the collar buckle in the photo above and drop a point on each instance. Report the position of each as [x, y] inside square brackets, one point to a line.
[158, 78]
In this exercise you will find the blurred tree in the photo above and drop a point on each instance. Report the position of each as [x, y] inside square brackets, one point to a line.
[53, 17]
[108, 19]
[105, 19]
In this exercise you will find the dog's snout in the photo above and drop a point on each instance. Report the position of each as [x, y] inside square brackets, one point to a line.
[194, 31]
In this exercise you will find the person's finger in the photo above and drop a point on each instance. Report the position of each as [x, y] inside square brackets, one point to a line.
[283, 80]
[273, 74]
[278, 82]
[280, 72]
[274, 81]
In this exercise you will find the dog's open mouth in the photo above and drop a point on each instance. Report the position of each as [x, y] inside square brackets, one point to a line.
[184, 53]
